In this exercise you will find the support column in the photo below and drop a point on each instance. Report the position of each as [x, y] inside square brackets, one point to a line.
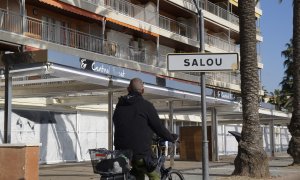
[166, 125]
[272, 141]
[171, 111]
[77, 135]
[22, 12]
[157, 39]
[215, 148]
[8, 99]
[110, 120]
[103, 34]
[157, 13]
[225, 140]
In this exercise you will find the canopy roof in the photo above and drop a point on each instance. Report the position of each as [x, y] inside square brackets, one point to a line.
[70, 81]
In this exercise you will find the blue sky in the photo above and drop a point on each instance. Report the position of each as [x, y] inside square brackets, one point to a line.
[276, 27]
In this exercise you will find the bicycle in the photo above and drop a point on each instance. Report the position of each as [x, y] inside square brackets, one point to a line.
[166, 173]
[104, 163]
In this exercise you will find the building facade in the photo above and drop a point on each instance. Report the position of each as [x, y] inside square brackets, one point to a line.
[92, 48]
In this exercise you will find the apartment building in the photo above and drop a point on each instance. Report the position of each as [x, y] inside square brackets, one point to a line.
[84, 52]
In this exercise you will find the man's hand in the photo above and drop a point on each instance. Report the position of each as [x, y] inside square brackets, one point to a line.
[175, 137]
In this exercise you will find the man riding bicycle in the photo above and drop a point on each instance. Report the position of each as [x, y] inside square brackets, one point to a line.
[136, 120]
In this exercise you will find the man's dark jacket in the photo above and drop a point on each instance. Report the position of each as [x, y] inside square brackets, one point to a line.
[135, 120]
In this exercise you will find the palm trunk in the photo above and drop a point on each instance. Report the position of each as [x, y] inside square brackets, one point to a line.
[294, 126]
[251, 160]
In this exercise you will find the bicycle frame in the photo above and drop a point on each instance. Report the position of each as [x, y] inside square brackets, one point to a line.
[161, 147]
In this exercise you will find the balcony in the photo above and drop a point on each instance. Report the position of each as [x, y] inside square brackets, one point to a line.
[168, 24]
[128, 9]
[229, 80]
[212, 8]
[54, 33]
[220, 43]
[218, 11]
[176, 27]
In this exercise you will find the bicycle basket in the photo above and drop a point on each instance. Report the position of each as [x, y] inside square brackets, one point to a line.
[106, 162]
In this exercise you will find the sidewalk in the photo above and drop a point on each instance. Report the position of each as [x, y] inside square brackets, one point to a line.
[191, 170]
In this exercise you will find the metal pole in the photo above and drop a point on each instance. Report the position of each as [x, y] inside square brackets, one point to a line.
[166, 149]
[110, 120]
[22, 12]
[272, 141]
[204, 130]
[103, 35]
[201, 31]
[157, 39]
[7, 106]
[171, 111]
[203, 100]
[215, 153]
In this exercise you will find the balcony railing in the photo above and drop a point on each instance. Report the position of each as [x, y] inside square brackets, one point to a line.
[140, 13]
[168, 24]
[220, 43]
[214, 9]
[137, 12]
[176, 27]
[218, 11]
[120, 6]
[10, 22]
[224, 78]
[50, 32]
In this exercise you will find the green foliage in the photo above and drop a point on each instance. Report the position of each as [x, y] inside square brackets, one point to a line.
[287, 82]
[282, 99]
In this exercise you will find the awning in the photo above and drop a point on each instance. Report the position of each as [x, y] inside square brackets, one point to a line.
[86, 13]
[72, 9]
[81, 76]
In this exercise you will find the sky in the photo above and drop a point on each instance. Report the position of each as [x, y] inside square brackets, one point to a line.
[276, 26]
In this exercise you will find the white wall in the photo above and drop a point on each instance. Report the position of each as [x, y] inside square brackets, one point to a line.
[228, 144]
[63, 136]
[68, 136]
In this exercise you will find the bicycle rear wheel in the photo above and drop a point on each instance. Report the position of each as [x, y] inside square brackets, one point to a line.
[173, 175]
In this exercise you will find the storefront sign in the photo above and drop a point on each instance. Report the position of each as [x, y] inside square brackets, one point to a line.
[101, 68]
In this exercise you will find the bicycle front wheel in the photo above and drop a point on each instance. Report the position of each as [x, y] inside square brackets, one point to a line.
[173, 175]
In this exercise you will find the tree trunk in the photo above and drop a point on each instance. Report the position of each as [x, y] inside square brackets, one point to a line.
[251, 160]
[294, 126]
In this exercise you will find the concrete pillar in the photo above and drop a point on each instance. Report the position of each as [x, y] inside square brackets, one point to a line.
[272, 141]
[8, 99]
[110, 120]
[103, 34]
[171, 111]
[214, 135]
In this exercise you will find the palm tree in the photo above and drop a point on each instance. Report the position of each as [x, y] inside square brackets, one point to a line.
[276, 99]
[294, 126]
[265, 94]
[287, 82]
[251, 159]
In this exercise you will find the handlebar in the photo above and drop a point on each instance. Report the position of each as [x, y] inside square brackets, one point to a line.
[161, 141]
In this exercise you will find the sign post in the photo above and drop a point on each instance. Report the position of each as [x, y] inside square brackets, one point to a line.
[203, 62]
